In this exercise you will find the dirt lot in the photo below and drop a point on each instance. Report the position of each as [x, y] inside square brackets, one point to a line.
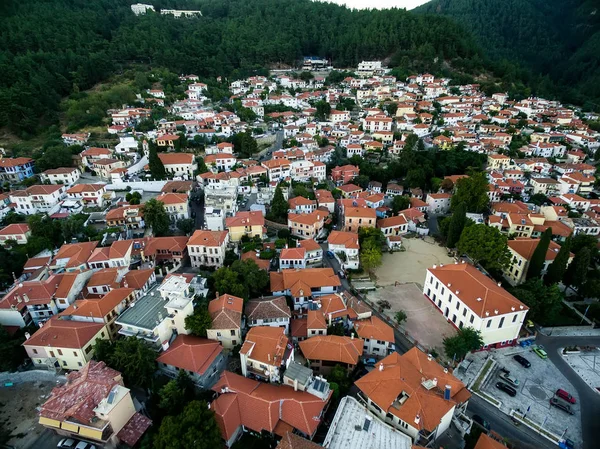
[424, 323]
[410, 265]
[18, 411]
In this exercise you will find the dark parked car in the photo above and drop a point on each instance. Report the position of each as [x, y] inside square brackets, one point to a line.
[506, 388]
[482, 422]
[559, 403]
[330, 254]
[522, 361]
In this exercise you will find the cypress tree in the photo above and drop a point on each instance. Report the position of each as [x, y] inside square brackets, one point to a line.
[576, 274]
[457, 224]
[557, 269]
[536, 264]
[157, 169]
[279, 206]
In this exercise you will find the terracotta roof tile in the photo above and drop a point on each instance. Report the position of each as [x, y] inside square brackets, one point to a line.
[226, 312]
[374, 328]
[208, 238]
[191, 353]
[332, 348]
[265, 344]
[260, 309]
[57, 333]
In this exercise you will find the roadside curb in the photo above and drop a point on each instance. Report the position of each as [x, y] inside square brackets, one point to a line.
[546, 433]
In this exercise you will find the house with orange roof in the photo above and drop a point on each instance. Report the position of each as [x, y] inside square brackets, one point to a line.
[270, 311]
[73, 257]
[207, 248]
[105, 309]
[16, 232]
[38, 199]
[344, 174]
[126, 217]
[104, 280]
[438, 203]
[94, 405]
[316, 324]
[359, 217]
[179, 164]
[118, 254]
[521, 250]
[266, 353]
[226, 314]
[37, 301]
[467, 297]
[485, 441]
[140, 280]
[93, 154]
[104, 167]
[378, 336]
[90, 194]
[305, 284]
[200, 358]
[171, 250]
[350, 190]
[575, 201]
[251, 224]
[176, 205]
[64, 175]
[313, 251]
[277, 169]
[307, 225]
[301, 205]
[520, 225]
[498, 162]
[292, 258]
[393, 226]
[244, 404]
[324, 352]
[414, 394]
[345, 247]
[64, 344]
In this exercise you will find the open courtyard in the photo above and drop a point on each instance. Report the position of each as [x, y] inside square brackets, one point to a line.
[424, 322]
[411, 265]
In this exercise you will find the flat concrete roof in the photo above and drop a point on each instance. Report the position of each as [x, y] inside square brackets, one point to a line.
[145, 312]
[354, 427]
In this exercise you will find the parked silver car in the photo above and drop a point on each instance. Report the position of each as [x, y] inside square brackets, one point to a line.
[509, 378]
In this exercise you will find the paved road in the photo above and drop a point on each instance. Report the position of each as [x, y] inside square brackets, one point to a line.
[589, 401]
[197, 207]
[501, 424]
[266, 154]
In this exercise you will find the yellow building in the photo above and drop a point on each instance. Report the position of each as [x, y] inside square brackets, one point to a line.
[245, 223]
[498, 162]
[521, 250]
[65, 344]
[520, 225]
[226, 314]
[359, 217]
[94, 405]
[306, 226]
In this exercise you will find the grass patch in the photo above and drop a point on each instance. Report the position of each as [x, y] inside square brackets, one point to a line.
[489, 398]
[484, 371]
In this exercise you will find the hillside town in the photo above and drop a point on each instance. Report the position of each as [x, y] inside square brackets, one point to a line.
[326, 258]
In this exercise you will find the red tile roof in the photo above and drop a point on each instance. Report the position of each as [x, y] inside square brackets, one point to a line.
[332, 348]
[57, 333]
[208, 238]
[15, 228]
[265, 344]
[226, 312]
[191, 353]
[259, 406]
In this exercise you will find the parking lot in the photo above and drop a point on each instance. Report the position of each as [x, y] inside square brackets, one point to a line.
[537, 385]
[424, 322]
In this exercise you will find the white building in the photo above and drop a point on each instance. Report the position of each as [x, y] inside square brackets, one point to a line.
[214, 219]
[207, 248]
[140, 8]
[345, 247]
[65, 176]
[468, 298]
[38, 199]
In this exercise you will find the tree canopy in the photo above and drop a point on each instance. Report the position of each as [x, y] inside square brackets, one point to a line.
[131, 356]
[466, 340]
[156, 217]
[473, 192]
[544, 302]
[485, 245]
[538, 258]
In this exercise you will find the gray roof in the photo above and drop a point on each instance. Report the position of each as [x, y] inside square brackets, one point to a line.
[298, 372]
[146, 311]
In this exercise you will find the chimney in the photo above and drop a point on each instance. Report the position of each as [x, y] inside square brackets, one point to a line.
[381, 367]
[417, 419]
[269, 357]
[429, 357]
[330, 319]
[295, 384]
[352, 336]
[27, 335]
[217, 293]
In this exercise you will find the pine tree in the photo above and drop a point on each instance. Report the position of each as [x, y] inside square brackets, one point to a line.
[576, 274]
[538, 258]
[457, 224]
[279, 205]
[157, 169]
[557, 269]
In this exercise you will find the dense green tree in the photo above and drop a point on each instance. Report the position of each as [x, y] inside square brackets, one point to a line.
[370, 257]
[473, 192]
[400, 316]
[485, 245]
[226, 281]
[11, 349]
[588, 241]
[131, 356]
[176, 394]
[544, 302]
[186, 225]
[54, 157]
[244, 144]
[457, 224]
[202, 168]
[558, 267]
[323, 110]
[466, 340]
[577, 272]
[157, 169]
[199, 321]
[400, 202]
[279, 206]
[252, 277]
[194, 428]
[538, 258]
[156, 217]
[133, 198]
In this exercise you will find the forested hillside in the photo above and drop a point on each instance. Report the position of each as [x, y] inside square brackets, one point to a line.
[51, 48]
[555, 37]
